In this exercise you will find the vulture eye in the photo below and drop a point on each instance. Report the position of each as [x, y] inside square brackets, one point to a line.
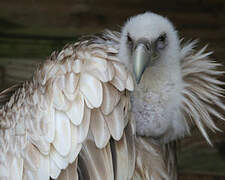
[161, 42]
[148, 46]
[129, 41]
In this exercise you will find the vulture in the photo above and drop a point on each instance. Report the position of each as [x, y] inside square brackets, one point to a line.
[110, 106]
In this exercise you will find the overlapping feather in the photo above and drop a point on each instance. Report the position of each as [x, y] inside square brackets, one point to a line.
[45, 122]
[150, 164]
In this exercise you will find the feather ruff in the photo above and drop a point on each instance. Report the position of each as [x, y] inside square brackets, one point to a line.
[202, 91]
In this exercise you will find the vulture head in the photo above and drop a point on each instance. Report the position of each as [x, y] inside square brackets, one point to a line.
[168, 91]
[147, 40]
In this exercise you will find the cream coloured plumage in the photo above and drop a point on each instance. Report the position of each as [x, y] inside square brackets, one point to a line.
[73, 117]
[76, 92]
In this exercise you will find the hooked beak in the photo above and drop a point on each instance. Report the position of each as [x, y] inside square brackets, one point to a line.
[141, 59]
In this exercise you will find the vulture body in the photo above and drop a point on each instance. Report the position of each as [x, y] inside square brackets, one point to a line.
[83, 117]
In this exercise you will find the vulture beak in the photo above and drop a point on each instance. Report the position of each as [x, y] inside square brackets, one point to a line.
[142, 57]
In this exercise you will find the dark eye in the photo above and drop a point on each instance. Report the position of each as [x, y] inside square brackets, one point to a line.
[162, 41]
[148, 46]
[129, 40]
[162, 37]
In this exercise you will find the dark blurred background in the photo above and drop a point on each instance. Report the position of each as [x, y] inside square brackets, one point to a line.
[31, 29]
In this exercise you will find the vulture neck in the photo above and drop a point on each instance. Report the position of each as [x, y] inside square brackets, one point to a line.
[156, 99]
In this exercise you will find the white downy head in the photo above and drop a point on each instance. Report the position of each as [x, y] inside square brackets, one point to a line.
[149, 47]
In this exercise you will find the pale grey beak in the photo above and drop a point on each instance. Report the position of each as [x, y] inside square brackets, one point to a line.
[141, 59]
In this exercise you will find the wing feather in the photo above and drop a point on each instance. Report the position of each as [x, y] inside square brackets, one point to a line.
[70, 173]
[75, 146]
[59, 160]
[54, 170]
[98, 161]
[91, 88]
[76, 92]
[129, 83]
[115, 122]
[49, 117]
[111, 98]
[43, 172]
[76, 110]
[101, 69]
[17, 169]
[121, 154]
[130, 133]
[59, 100]
[62, 141]
[99, 128]
[31, 157]
[154, 167]
[71, 84]
[83, 128]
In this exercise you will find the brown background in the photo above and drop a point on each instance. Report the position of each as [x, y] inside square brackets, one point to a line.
[31, 29]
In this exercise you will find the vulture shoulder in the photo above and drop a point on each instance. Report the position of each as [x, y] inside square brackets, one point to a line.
[6, 94]
[77, 99]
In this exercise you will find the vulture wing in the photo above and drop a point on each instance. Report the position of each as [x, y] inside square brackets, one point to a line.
[76, 101]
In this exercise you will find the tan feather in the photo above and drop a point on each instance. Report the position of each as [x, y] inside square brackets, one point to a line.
[49, 118]
[129, 82]
[49, 70]
[28, 175]
[130, 133]
[31, 157]
[7, 93]
[169, 154]
[71, 84]
[98, 161]
[120, 78]
[43, 172]
[4, 172]
[76, 110]
[59, 160]
[16, 169]
[120, 71]
[40, 142]
[92, 89]
[75, 146]
[121, 159]
[110, 71]
[83, 128]
[111, 98]
[118, 83]
[115, 122]
[154, 167]
[62, 141]
[77, 66]
[54, 169]
[70, 173]
[59, 99]
[100, 68]
[99, 128]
